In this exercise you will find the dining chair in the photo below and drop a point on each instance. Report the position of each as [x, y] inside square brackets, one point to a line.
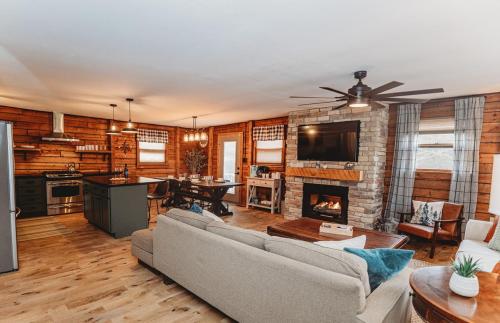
[160, 193]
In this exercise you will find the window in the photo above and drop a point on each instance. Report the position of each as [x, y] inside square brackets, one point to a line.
[151, 153]
[435, 143]
[269, 152]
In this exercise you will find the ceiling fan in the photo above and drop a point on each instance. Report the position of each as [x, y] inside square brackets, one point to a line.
[361, 95]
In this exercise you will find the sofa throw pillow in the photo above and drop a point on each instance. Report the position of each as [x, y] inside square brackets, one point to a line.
[357, 242]
[491, 232]
[426, 213]
[383, 263]
[494, 243]
[196, 208]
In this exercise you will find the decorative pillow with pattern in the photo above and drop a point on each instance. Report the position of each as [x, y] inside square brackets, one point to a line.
[494, 243]
[426, 213]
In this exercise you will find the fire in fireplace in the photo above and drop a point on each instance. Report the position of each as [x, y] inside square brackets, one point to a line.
[325, 202]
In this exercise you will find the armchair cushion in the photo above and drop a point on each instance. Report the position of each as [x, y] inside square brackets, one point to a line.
[426, 213]
[424, 231]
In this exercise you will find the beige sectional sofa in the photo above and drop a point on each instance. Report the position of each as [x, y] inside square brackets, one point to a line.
[253, 277]
[474, 245]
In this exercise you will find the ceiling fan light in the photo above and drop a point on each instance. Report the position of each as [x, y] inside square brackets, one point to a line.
[359, 102]
[197, 136]
[191, 137]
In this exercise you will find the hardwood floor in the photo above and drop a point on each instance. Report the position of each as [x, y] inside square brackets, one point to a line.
[88, 276]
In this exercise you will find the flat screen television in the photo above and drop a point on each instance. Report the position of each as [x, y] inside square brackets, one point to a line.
[337, 141]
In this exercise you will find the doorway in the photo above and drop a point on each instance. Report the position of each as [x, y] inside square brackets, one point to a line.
[229, 162]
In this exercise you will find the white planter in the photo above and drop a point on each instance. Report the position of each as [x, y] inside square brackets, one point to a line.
[468, 287]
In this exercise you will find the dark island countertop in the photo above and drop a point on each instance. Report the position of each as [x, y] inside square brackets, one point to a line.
[131, 180]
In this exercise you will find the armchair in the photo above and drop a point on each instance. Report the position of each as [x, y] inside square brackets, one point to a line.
[448, 228]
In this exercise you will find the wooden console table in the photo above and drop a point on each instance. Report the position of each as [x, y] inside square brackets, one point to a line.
[273, 184]
[435, 302]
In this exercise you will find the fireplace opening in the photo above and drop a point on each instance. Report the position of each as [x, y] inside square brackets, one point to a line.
[325, 202]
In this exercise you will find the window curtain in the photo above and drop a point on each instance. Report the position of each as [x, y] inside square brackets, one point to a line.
[267, 133]
[468, 127]
[153, 136]
[404, 162]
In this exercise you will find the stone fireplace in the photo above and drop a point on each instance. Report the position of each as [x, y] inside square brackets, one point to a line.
[363, 204]
[325, 202]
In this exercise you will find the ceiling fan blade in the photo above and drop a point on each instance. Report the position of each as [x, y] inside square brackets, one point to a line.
[426, 91]
[316, 103]
[311, 97]
[403, 100]
[336, 91]
[340, 106]
[384, 87]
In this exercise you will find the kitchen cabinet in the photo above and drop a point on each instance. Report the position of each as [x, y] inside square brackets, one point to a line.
[31, 196]
[118, 208]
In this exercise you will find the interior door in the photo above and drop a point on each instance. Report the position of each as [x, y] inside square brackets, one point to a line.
[230, 159]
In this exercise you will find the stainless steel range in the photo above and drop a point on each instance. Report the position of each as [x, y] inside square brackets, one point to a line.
[64, 192]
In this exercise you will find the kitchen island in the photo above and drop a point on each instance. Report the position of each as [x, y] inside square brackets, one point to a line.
[118, 207]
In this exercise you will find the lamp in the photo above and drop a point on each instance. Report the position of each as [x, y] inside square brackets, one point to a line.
[495, 186]
[358, 102]
[113, 129]
[130, 127]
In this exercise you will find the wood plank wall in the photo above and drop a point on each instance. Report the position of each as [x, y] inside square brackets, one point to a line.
[247, 149]
[435, 185]
[30, 126]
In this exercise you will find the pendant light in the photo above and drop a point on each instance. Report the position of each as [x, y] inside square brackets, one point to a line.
[113, 129]
[130, 127]
[196, 135]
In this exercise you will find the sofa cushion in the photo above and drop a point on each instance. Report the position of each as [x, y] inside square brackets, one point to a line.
[249, 237]
[191, 218]
[479, 250]
[330, 259]
[143, 239]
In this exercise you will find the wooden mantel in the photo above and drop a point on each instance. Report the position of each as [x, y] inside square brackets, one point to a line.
[346, 175]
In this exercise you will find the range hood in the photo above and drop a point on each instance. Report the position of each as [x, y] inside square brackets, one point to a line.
[58, 130]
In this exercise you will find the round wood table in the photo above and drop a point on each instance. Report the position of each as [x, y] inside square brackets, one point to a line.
[435, 302]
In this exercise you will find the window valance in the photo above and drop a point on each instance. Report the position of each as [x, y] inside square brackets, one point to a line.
[151, 135]
[266, 133]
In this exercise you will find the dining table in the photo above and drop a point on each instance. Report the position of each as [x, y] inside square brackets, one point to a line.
[212, 191]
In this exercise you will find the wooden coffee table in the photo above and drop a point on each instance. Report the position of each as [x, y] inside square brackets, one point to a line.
[435, 302]
[307, 229]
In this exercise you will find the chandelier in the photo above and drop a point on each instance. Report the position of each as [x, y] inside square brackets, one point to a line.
[195, 134]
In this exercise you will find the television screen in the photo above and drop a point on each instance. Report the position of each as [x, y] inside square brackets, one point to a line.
[336, 141]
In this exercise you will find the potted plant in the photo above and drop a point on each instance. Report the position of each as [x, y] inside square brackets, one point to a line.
[463, 281]
[195, 160]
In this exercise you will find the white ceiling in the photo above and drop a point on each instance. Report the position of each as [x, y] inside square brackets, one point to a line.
[231, 61]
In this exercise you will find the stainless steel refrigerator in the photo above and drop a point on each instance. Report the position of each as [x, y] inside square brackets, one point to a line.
[8, 245]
